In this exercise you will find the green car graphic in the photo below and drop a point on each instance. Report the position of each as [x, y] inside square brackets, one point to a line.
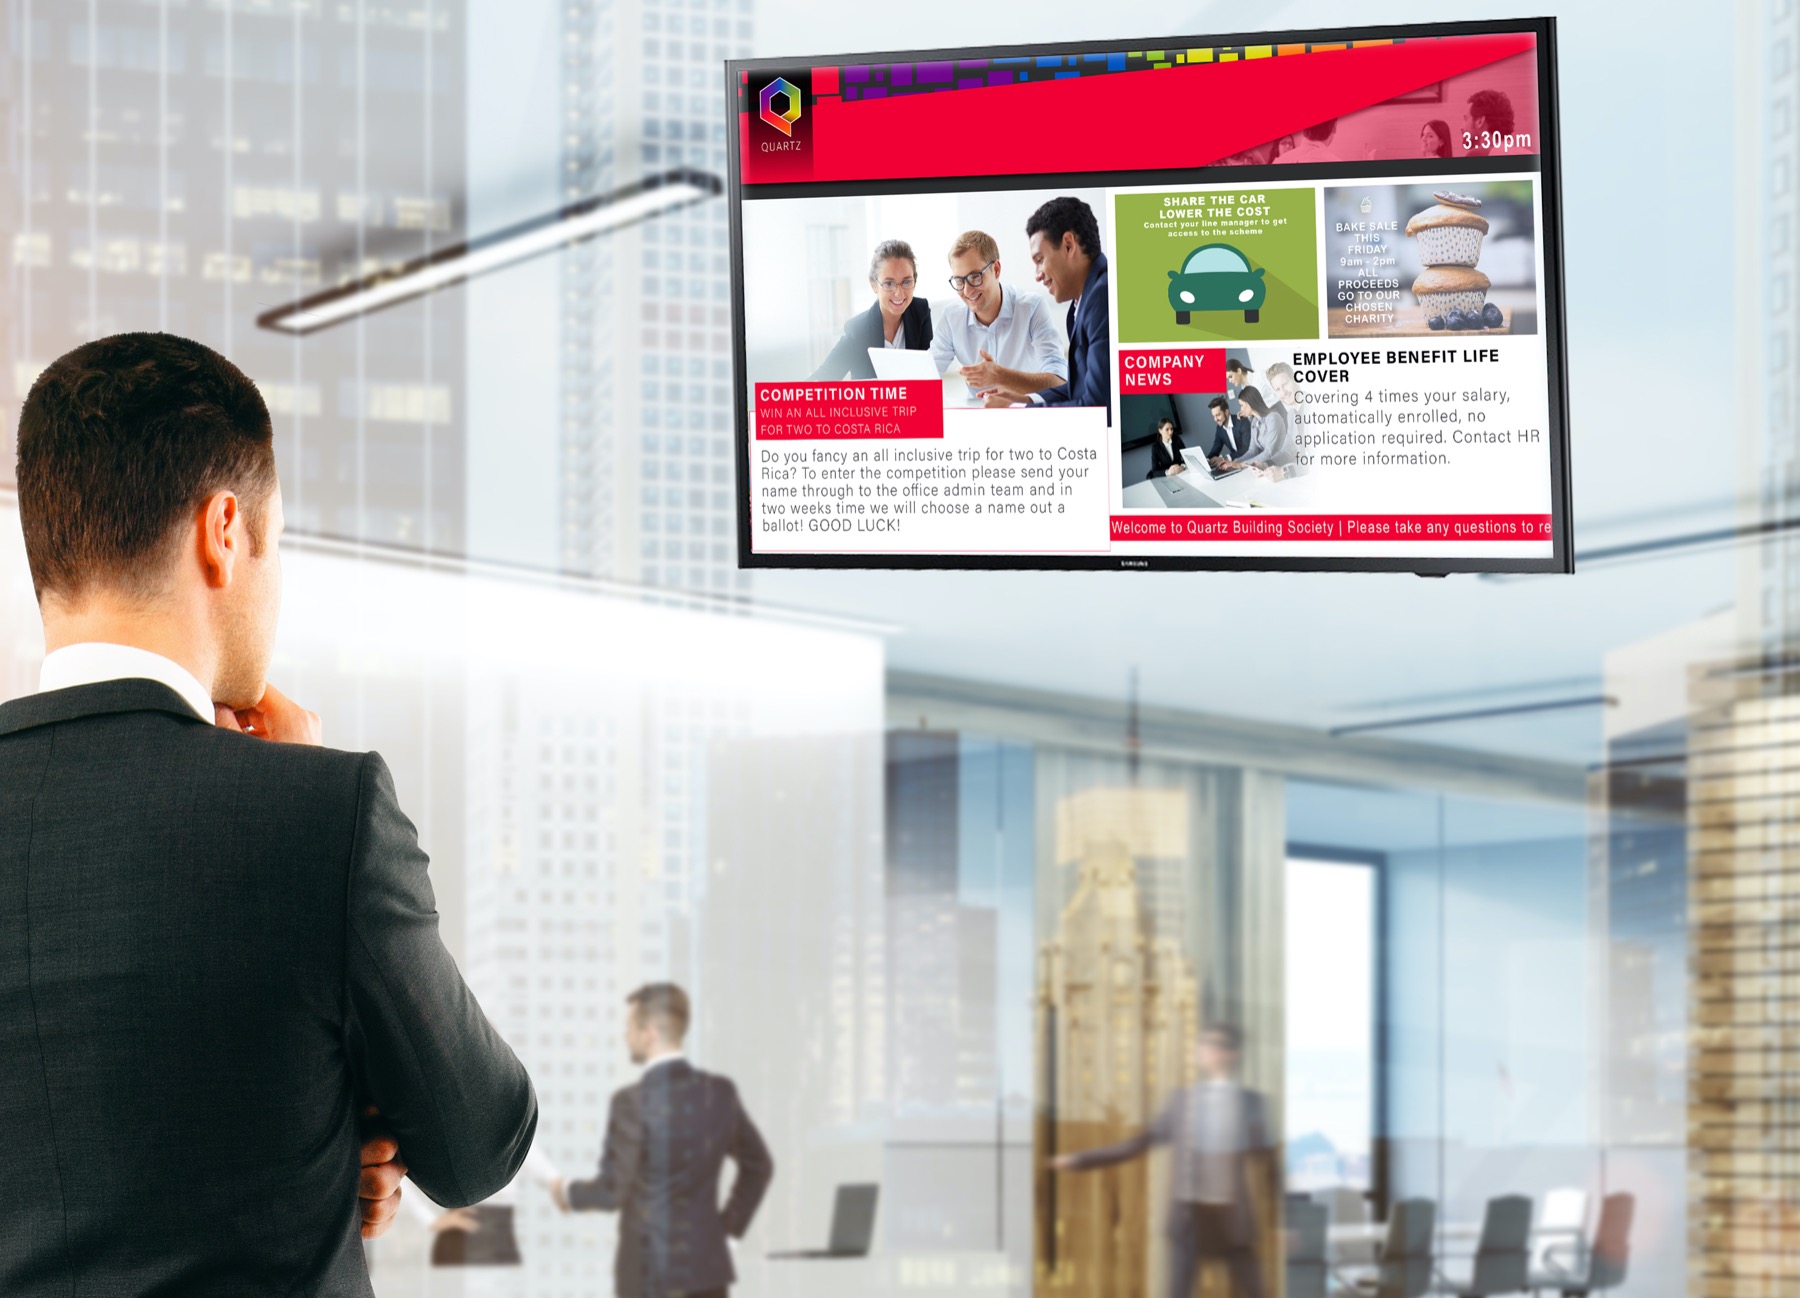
[1216, 277]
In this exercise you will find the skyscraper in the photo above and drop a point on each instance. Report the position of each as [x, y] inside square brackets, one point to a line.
[1742, 883]
[1768, 364]
[1118, 1008]
[185, 167]
[646, 448]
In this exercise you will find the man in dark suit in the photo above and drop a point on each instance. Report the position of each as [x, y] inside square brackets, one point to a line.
[1231, 437]
[1064, 238]
[667, 1139]
[1215, 1128]
[218, 943]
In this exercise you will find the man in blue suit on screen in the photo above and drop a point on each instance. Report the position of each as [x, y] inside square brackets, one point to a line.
[1065, 247]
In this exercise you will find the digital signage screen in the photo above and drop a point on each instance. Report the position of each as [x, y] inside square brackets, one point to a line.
[1280, 301]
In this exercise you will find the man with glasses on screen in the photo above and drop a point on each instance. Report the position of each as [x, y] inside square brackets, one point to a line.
[1004, 341]
[1064, 238]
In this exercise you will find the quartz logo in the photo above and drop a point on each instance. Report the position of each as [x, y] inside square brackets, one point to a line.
[783, 118]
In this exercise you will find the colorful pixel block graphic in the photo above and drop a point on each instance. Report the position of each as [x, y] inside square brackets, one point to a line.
[784, 120]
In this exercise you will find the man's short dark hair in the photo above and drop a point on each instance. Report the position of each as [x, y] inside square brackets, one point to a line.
[1220, 403]
[1493, 108]
[1254, 399]
[663, 1004]
[1320, 132]
[1228, 1034]
[120, 441]
[1059, 216]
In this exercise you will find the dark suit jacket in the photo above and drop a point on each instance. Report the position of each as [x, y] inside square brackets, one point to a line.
[213, 951]
[667, 1139]
[1171, 1127]
[1090, 348]
[1162, 458]
[851, 354]
[1240, 429]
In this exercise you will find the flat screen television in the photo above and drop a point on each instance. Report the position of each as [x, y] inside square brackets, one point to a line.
[968, 288]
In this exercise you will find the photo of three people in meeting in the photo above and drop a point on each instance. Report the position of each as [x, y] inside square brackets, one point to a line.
[1003, 296]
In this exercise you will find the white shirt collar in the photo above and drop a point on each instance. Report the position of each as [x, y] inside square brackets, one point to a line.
[94, 661]
[1004, 314]
[668, 1057]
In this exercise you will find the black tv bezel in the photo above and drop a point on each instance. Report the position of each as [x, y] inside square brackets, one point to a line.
[1552, 322]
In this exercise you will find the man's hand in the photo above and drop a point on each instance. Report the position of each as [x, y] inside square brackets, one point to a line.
[559, 1194]
[1063, 1163]
[457, 1219]
[275, 717]
[982, 374]
[378, 1189]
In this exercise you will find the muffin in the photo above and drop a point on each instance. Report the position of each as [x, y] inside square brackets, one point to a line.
[1443, 289]
[1450, 233]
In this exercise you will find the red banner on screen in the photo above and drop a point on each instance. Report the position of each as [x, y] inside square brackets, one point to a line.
[907, 408]
[1266, 525]
[1172, 369]
[1142, 120]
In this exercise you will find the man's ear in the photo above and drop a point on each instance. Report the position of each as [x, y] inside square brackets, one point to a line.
[222, 538]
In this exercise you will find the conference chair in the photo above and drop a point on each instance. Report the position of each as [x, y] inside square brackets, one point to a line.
[1308, 1265]
[1606, 1260]
[1349, 1207]
[1502, 1262]
[1561, 1229]
[1403, 1269]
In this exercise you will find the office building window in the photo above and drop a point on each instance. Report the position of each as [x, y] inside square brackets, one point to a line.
[1331, 1094]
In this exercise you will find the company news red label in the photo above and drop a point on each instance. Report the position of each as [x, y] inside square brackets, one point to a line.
[1172, 369]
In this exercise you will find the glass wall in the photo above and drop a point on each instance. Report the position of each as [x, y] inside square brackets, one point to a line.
[1492, 879]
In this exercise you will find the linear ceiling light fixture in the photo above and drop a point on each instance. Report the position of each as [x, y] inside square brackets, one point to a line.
[1477, 714]
[650, 197]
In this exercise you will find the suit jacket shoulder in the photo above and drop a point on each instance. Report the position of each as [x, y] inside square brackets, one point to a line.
[918, 325]
[1090, 347]
[267, 911]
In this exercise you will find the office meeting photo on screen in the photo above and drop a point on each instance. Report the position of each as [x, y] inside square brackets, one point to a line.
[702, 648]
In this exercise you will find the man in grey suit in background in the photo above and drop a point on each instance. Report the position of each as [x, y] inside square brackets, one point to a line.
[1215, 1129]
[218, 943]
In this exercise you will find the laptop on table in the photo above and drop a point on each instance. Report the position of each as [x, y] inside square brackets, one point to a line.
[852, 1224]
[892, 365]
